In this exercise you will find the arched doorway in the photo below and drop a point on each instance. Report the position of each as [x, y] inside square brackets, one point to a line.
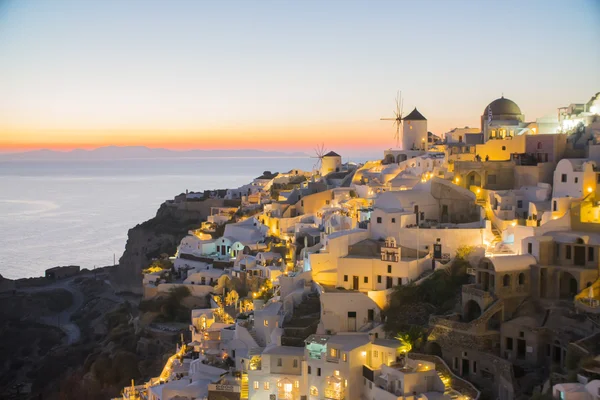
[402, 157]
[389, 159]
[473, 179]
[568, 285]
[471, 311]
[433, 348]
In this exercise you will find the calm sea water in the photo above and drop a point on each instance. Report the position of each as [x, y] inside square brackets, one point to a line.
[61, 213]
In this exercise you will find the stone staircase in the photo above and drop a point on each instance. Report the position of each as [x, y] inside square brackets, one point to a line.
[252, 333]
[303, 323]
[244, 387]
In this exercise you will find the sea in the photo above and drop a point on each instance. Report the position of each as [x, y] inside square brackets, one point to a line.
[78, 212]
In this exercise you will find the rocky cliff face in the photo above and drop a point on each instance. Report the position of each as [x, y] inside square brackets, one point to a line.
[158, 235]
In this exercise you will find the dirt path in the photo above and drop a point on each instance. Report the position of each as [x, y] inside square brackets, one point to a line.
[62, 320]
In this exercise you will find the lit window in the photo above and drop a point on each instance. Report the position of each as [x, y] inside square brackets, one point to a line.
[314, 391]
[266, 322]
[297, 384]
[266, 385]
[295, 363]
[345, 382]
[336, 373]
[334, 353]
[344, 357]
[256, 385]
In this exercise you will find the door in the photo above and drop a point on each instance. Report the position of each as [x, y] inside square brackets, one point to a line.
[351, 321]
[389, 283]
[521, 348]
[370, 314]
[579, 255]
[355, 282]
[465, 367]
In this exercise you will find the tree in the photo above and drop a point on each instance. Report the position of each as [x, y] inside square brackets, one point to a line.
[232, 298]
[409, 339]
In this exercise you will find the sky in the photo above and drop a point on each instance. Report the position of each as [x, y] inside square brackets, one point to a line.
[281, 74]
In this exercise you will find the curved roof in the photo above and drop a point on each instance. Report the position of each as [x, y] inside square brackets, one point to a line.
[503, 106]
[512, 263]
[415, 115]
[332, 154]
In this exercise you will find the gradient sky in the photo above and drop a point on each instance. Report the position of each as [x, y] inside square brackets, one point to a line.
[280, 74]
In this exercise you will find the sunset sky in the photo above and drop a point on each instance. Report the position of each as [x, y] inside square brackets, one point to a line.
[280, 74]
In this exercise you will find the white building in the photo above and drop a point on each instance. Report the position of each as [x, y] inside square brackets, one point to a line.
[279, 373]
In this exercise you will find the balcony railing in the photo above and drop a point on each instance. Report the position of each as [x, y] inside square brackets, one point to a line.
[332, 359]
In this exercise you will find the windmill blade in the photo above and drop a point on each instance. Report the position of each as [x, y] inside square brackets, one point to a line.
[398, 104]
[388, 119]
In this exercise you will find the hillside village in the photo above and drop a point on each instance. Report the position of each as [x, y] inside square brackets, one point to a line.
[464, 266]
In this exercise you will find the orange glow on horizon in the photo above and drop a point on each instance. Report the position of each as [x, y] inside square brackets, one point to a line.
[297, 138]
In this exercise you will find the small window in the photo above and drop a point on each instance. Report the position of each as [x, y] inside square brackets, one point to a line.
[345, 278]
[521, 334]
[375, 354]
[576, 179]
[389, 269]
[318, 371]
[568, 255]
[554, 206]
[256, 385]
[366, 279]
[334, 353]
[345, 357]
[302, 203]
[378, 220]
[590, 254]
[530, 248]
[399, 281]
[295, 363]
[393, 220]
[503, 147]
[266, 385]
[336, 373]
[539, 145]
[474, 367]
[563, 178]
[279, 362]
[266, 322]
[506, 280]
[521, 278]
[519, 203]
[309, 370]
[598, 178]
[378, 278]
[509, 343]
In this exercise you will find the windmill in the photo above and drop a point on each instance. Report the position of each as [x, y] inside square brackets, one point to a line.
[397, 118]
[319, 154]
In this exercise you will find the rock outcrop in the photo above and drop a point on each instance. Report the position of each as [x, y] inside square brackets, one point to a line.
[158, 235]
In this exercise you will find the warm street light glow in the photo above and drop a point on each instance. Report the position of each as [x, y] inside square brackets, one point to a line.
[589, 189]
[457, 179]
[478, 190]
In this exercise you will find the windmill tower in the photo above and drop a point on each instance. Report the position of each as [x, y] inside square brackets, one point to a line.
[399, 131]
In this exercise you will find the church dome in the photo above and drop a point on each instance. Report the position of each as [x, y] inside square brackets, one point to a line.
[503, 106]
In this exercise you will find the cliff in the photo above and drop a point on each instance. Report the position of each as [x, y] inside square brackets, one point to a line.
[158, 235]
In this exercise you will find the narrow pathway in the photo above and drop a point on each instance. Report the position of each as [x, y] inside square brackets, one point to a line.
[62, 320]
